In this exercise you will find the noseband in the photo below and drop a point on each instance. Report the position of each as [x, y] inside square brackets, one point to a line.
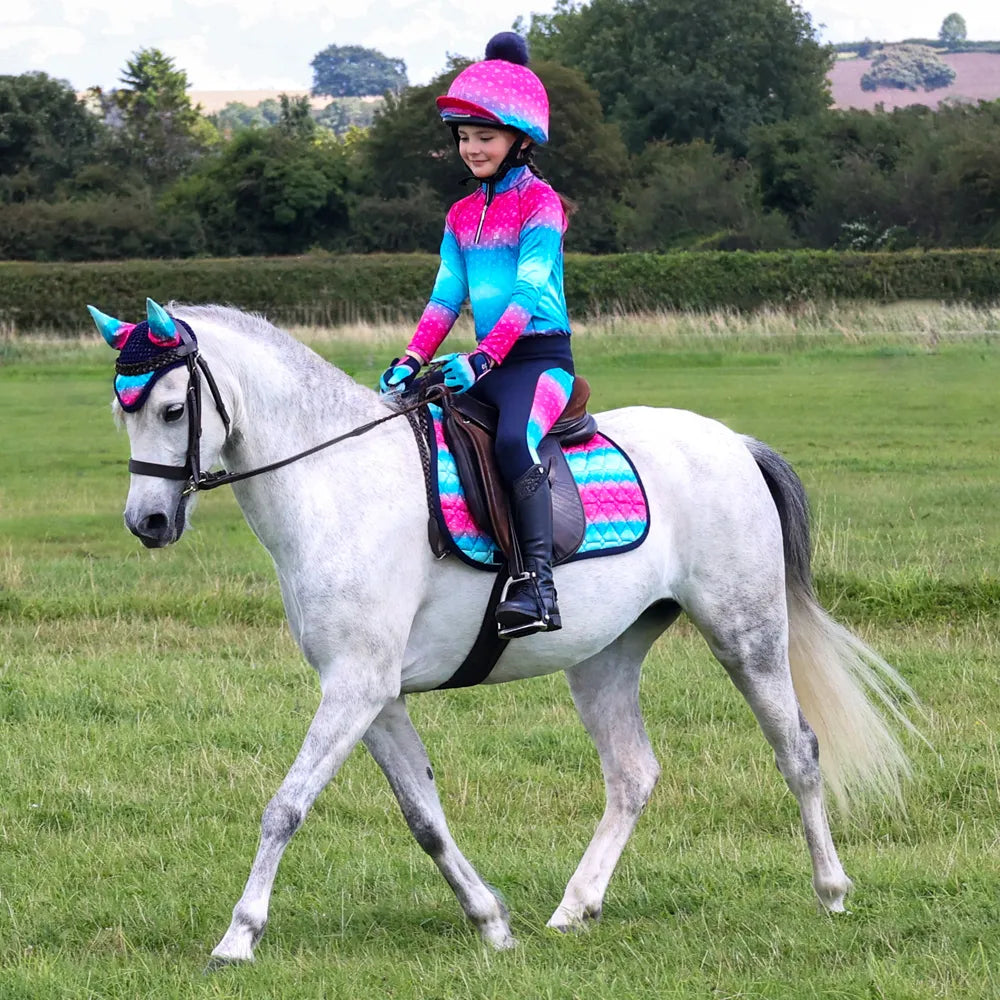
[198, 481]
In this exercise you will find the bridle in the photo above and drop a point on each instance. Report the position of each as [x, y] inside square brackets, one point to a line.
[191, 469]
[198, 481]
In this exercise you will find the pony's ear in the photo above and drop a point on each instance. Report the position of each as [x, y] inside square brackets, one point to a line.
[114, 331]
[162, 328]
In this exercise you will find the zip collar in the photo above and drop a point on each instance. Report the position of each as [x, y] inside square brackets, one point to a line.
[510, 179]
[491, 189]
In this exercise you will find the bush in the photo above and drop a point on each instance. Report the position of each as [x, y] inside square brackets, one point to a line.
[690, 196]
[269, 191]
[405, 223]
[320, 289]
[101, 228]
[326, 289]
[749, 280]
[908, 67]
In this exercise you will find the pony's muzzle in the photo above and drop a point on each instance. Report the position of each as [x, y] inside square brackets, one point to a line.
[154, 530]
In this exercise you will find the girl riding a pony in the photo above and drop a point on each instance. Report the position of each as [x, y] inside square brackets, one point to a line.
[503, 251]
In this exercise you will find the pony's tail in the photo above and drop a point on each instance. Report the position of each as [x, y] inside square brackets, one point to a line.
[847, 692]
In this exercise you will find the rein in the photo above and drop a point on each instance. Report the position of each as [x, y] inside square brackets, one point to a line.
[198, 481]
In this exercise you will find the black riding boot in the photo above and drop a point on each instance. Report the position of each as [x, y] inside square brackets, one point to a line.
[529, 604]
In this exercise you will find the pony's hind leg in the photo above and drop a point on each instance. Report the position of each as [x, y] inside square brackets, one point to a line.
[753, 647]
[605, 691]
[399, 751]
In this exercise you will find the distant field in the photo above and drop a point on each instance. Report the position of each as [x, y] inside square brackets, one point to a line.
[150, 703]
[215, 100]
[977, 78]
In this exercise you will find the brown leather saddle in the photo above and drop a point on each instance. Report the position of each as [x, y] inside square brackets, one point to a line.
[469, 428]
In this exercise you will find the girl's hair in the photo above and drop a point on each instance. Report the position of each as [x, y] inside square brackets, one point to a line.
[527, 158]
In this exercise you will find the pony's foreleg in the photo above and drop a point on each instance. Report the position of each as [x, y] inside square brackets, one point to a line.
[605, 691]
[345, 711]
[399, 751]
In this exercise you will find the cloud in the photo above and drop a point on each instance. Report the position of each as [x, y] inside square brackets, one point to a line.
[249, 44]
[41, 44]
[893, 20]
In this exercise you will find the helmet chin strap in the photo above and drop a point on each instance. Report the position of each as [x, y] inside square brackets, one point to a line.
[510, 162]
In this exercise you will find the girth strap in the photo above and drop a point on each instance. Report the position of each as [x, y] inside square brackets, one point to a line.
[488, 647]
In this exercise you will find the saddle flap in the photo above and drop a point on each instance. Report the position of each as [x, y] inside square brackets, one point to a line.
[472, 449]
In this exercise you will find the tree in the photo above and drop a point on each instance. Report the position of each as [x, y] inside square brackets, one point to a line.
[585, 158]
[876, 180]
[692, 196]
[867, 48]
[682, 69]
[953, 31]
[354, 71]
[405, 223]
[272, 190]
[907, 67]
[236, 115]
[46, 135]
[344, 113]
[296, 121]
[156, 128]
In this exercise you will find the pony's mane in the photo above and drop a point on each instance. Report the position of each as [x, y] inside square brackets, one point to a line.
[252, 324]
[319, 383]
[256, 327]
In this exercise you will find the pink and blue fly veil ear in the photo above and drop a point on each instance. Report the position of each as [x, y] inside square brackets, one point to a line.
[147, 350]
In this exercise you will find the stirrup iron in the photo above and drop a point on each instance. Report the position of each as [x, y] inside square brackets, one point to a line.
[525, 628]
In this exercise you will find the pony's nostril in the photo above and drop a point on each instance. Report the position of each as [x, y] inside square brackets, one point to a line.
[154, 525]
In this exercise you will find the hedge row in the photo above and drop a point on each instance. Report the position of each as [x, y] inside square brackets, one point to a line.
[336, 288]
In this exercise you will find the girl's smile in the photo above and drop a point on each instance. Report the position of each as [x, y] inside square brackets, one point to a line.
[483, 148]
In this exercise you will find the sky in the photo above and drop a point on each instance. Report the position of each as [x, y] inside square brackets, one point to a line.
[268, 44]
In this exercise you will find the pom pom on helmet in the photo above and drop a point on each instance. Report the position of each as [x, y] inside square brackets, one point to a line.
[509, 46]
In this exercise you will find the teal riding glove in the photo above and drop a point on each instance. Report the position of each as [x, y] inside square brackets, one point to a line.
[462, 371]
[398, 376]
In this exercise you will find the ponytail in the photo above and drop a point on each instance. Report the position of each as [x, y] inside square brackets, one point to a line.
[527, 158]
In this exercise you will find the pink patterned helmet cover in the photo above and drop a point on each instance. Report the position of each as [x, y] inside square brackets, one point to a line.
[500, 91]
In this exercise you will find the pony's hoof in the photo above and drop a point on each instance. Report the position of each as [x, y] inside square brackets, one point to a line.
[504, 942]
[831, 895]
[564, 922]
[217, 963]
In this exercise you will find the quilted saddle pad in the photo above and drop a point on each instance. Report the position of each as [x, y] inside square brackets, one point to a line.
[614, 501]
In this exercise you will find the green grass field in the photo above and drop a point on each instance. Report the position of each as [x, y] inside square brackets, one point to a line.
[151, 702]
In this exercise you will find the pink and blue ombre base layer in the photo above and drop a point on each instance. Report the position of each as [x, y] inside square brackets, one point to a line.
[506, 258]
[613, 500]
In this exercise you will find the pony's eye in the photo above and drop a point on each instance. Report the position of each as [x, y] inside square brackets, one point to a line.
[173, 412]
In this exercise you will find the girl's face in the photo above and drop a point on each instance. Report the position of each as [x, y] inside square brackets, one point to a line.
[483, 148]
